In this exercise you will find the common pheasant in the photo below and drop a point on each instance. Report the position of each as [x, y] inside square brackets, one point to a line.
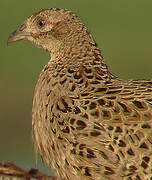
[87, 123]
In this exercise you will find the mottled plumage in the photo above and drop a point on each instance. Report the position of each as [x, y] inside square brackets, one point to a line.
[87, 123]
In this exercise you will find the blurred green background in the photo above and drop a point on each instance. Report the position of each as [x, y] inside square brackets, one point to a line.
[123, 30]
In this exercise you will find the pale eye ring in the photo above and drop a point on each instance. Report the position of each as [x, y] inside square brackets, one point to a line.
[40, 23]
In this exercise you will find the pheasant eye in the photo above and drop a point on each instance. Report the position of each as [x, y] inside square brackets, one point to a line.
[41, 23]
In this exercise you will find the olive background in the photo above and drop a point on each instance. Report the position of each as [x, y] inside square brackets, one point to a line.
[123, 30]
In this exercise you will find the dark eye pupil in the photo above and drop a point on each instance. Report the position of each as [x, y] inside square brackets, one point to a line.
[41, 23]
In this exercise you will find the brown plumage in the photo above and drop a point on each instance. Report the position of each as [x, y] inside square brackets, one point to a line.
[87, 123]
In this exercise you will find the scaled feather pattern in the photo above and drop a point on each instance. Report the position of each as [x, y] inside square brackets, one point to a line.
[87, 123]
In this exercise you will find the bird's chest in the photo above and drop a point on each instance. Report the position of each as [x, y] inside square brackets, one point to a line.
[47, 93]
[46, 124]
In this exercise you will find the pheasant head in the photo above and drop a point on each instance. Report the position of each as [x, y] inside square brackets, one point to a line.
[54, 30]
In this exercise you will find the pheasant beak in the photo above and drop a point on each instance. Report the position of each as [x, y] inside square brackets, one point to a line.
[19, 34]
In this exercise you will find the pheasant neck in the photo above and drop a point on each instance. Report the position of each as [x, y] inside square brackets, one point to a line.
[76, 56]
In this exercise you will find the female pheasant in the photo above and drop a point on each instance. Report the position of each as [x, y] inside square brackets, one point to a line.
[87, 123]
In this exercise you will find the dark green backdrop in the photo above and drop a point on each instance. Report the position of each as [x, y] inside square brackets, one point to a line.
[123, 30]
